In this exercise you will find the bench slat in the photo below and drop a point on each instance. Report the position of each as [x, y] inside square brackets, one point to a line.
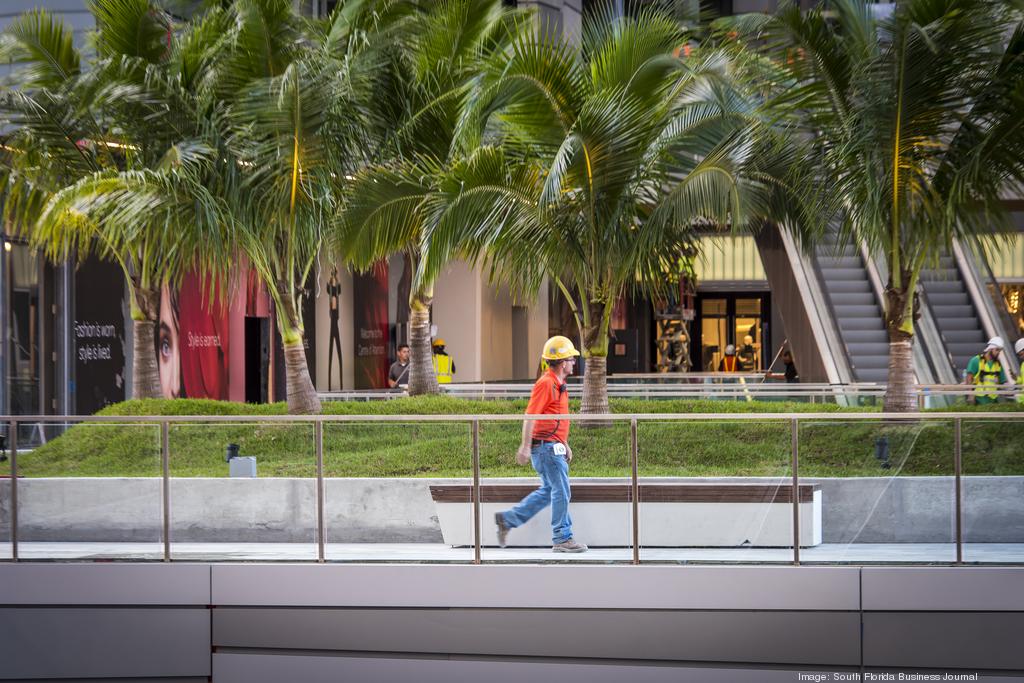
[622, 493]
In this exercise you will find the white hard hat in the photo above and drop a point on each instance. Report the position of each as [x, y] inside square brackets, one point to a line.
[1019, 346]
[995, 343]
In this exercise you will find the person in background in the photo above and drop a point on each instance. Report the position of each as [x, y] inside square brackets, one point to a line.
[986, 373]
[790, 374]
[1018, 347]
[444, 366]
[398, 375]
[728, 362]
[747, 357]
[545, 444]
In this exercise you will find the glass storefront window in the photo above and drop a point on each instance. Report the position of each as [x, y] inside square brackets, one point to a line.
[737, 319]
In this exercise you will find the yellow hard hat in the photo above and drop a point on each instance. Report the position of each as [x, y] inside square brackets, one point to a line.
[438, 342]
[559, 348]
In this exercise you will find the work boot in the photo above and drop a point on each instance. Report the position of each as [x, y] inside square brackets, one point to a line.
[569, 546]
[503, 529]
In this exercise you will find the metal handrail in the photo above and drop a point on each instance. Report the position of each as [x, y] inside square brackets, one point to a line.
[682, 390]
[794, 419]
[508, 417]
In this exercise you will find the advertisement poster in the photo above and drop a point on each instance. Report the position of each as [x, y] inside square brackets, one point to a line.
[193, 341]
[370, 299]
[98, 336]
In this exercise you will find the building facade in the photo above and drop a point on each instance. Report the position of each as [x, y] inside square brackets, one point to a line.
[67, 348]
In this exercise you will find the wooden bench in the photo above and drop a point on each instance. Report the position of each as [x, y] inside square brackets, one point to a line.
[671, 515]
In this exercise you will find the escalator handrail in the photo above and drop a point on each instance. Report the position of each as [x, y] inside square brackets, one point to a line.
[818, 306]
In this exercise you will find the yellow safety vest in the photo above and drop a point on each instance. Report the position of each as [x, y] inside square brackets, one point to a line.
[443, 368]
[987, 379]
[1020, 382]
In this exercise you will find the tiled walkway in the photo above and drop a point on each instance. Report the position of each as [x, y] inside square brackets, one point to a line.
[870, 553]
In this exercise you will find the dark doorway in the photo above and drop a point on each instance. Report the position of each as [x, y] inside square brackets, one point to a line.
[257, 359]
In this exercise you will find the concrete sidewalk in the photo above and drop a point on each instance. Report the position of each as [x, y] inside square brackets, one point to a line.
[869, 553]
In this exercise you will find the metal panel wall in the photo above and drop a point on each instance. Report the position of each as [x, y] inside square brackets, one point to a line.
[101, 621]
[825, 638]
[237, 668]
[544, 586]
[103, 641]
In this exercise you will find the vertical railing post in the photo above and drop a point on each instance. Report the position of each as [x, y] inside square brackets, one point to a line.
[635, 497]
[475, 429]
[957, 472]
[13, 439]
[165, 489]
[318, 438]
[794, 428]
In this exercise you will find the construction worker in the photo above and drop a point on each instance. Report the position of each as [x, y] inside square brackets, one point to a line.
[728, 363]
[444, 366]
[1019, 348]
[545, 444]
[986, 373]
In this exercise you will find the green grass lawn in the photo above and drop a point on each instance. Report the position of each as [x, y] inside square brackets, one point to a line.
[408, 449]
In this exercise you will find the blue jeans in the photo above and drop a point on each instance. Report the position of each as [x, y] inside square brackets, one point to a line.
[554, 491]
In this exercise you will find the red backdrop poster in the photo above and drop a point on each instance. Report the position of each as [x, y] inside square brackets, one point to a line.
[370, 299]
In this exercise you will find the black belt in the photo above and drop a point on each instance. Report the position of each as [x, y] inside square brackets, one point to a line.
[537, 442]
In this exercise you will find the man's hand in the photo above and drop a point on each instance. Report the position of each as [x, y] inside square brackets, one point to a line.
[523, 455]
[568, 453]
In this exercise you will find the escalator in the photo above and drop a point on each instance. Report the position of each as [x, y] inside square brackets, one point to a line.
[856, 311]
[831, 302]
[955, 313]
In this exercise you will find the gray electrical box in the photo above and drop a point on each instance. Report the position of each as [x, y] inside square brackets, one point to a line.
[242, 466]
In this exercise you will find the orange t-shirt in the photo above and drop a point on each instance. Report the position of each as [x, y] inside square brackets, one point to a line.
[550, 397]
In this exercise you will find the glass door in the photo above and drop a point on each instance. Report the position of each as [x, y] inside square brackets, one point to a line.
[733, 319]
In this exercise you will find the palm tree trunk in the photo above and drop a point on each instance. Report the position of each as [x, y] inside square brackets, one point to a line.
[145, 373]
[900, 393]
[301, 394]
[302, 398]
[595, 355]
[595, 385]
[422, 379]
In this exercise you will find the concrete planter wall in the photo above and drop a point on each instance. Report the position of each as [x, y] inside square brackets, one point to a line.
[864, 510]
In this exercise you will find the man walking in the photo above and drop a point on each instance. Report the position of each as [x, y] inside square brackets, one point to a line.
[545, 444]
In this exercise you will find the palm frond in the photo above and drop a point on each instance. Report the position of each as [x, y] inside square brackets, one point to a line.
[43, 47]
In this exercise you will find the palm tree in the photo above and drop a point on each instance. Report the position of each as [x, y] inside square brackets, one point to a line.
[388, 205]
[635, 146]
[107, 158]
[294, 97]
[918, 127]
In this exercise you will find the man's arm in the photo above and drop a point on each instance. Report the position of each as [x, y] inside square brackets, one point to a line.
[972, 369]
[534, 407]
[523, 454]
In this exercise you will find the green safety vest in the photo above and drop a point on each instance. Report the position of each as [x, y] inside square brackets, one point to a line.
[1020, 381]
[443, 368]
[987, 379]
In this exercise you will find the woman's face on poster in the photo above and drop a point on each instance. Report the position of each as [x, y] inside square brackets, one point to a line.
[168, 356]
